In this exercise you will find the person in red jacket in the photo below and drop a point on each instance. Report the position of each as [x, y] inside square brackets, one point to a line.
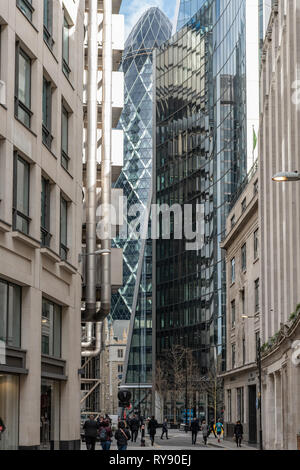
[106, 435]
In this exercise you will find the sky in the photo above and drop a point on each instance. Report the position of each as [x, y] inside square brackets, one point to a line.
[133, 10]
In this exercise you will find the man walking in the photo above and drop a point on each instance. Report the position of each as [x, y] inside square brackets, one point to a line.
[238, 432]
[219, 429]
[165, 429]
[134, 428]
[152, 425]
[195, 429]
[91, 428]
[204, 428]
[122, 436]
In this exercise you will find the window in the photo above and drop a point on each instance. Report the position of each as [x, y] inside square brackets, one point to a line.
[244, 257]
[257, 343]
[45, 213]
[256, 244]
[63, 229]
[21, 218]
[120, 369]
[256, 295]
[66, 47]
[232, 221]
[244, 205]
[64, 138]
[23, 87]
[229, 406]
[48, 22]
[244, 351]
[255, 188]
[47, 111]
[26, 7]
[243, 300]
[233, 356]
[233, 313]
[51, 329]
[232, 270]
[10, 313]
[120, 353]
[240, 404]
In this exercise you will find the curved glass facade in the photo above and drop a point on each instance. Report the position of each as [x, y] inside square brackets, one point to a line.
[187, 9]
[201, 158]
[134, 299]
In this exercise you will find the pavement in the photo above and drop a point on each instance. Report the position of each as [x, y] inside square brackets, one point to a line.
[179, 440]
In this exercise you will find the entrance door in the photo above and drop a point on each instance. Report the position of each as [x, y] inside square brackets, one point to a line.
[252, 415]
[50, 415]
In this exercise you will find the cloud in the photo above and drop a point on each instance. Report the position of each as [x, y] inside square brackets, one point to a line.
[134, 9]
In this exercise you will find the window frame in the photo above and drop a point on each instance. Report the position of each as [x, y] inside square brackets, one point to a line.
[27, 5]
[65, 159]
[18, 102]
[244, 257]
[256, 295]
[66, 60]
[9, 317]
[16, 212]
[256, 244]
[48, 31]
[232, 264]
[47, 126]
[52, 347]
[233, 313]
[45, 228]
[63, 247]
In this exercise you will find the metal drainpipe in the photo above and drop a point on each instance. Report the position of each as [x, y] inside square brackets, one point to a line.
[89, 336]
[97, 349]
[90, 309]
[106, 162]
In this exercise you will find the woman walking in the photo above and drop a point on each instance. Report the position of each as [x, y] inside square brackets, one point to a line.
[105, 435]
[122, 436]
[204, 428]
[238, 432]
[152, 425]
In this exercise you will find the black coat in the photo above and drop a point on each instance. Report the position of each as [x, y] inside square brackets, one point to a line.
[120, 438]
[152, 425]
[91, 428]
[134, 424]
[195, 426]
[238, 430]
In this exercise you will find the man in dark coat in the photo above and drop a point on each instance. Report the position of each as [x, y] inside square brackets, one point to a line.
[91, 428]
[238, 432]
[152, 425]
[165, 429]
[122, 436]
[134, 428]
[195, 429]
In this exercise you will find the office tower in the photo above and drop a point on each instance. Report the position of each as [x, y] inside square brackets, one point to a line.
[40, 222]
[102, 163]
[206, 123]
[134, 299]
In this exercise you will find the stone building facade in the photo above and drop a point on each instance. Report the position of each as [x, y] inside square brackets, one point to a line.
[41, 88]
[279, 222]
[243, 310]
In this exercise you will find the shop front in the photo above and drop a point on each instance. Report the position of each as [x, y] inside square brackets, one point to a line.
[9, 411]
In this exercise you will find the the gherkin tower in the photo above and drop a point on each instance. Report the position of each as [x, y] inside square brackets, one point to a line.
[134, 299]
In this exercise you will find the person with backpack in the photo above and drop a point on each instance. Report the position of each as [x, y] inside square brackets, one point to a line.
[238, 432]
[122, 436]
[165, 429]
[134, 428]
[105, 435]
[2, 427]
[152, 426]
[219, 429]
[91, 428]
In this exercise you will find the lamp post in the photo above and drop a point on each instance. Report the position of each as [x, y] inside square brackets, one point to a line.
[286, 177]
[98, 252]
[259, 366]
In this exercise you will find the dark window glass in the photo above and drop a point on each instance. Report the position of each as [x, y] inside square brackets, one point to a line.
[26, 7]
[51, 329]
[244, 257]
[240, 404]
[64, 138]
[48, 19]
[233, 356]
[233, 270]
[233, 313]
[63, 229]
[66, 47]
[256, 244]
[10, 313]
[21, 218]
[244, 205]
[23, 87]
[47, 112]
[256, 295]
[45, 213]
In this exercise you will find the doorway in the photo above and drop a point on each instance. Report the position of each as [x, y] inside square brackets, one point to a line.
[252, 415]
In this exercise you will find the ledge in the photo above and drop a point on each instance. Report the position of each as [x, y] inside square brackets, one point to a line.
[26, 239]
[68, 267]
[4, 226]
[48, 253]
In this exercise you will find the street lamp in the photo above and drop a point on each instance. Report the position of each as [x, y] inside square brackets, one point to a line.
[259, 366]
[286, 177]
[98, 252]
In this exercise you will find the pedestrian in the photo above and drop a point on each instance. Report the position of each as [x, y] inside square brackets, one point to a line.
[143, 442]
[204, 429]
[2, 427]
[219, 429]
[195, 429]
[212, 429]
[107, 418]
[134, 428]
[100, 421]
[91, 428]
[152, 425]
[105, 435]
[122, 436]
[238, 432]
[165, 429]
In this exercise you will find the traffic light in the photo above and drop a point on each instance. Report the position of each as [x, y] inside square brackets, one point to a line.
[124, 398]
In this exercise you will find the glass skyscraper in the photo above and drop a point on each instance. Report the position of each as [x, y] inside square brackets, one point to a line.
[187, 9]
[201, 158]
[134, 300]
